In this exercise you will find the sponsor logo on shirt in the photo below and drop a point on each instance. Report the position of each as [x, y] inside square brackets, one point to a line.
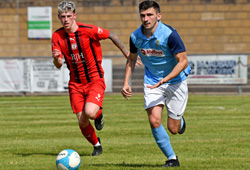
[77, 57]
[152, 52]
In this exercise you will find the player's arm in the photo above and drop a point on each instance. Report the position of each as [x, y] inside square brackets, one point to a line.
[56, 53]
[58, 62]
[181, 65]
[130, 65]
[116, 40]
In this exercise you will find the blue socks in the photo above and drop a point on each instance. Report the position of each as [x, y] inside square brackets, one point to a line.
[182, 122]
[163, 141]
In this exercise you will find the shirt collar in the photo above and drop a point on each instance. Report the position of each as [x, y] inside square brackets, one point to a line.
[156, 33]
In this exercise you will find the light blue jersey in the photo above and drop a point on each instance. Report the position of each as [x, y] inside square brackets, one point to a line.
[157, 53]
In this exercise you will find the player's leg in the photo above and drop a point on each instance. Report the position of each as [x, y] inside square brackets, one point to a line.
[95, 97]
[89, 133]
[77, 100]
[86, 128]
[159, 132]
[154, 101]
[176, 126]
[176, 104]
[94, 112]
[91, 110]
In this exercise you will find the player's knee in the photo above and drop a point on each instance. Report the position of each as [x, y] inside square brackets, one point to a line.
[155, 124]
[90, 114]
[83, 123]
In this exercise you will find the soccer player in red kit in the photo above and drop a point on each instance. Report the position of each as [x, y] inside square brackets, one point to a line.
[79, 44]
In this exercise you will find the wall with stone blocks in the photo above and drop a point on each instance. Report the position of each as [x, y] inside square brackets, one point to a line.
[206, 26]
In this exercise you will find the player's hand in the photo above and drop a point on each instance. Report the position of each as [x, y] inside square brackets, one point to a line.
[138, 62]
[156, 85]
[58, 62]
[126, 92]
[56, 53]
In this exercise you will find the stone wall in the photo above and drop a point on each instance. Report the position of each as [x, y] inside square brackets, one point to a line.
[206, 26]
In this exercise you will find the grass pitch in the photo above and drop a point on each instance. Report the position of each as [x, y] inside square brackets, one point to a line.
[34, 129]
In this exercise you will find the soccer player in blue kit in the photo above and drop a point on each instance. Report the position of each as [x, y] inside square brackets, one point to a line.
[166, 68]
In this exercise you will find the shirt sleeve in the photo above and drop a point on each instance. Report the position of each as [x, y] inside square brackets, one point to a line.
[56, 44]
[132, 46]
[100, 33]
[175, 43]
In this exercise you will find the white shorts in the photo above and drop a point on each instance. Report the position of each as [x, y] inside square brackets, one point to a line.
[174, 96]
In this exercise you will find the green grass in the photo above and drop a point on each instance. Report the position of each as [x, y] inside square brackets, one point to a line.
[34, 129]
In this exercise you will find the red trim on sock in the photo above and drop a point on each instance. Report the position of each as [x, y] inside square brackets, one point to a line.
[98, 114]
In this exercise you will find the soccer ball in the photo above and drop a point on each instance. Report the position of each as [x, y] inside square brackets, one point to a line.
[68, 159]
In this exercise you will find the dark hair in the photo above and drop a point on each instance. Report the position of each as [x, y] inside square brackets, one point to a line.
[148, 4]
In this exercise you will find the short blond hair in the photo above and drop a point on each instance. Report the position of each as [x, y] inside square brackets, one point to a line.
[66, 6]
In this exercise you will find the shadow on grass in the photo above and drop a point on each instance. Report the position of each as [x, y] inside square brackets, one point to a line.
[50, 154]
[127, 165]
[123, 164]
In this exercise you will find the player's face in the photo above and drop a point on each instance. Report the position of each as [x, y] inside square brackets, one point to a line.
[67, 19]
[149, 18]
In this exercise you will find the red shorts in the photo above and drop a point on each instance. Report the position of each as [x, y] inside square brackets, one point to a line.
[82, 93]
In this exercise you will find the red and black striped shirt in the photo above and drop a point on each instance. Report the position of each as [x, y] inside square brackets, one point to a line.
[82, 51]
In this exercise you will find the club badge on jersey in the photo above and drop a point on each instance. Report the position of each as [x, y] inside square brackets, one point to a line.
[74, 46]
